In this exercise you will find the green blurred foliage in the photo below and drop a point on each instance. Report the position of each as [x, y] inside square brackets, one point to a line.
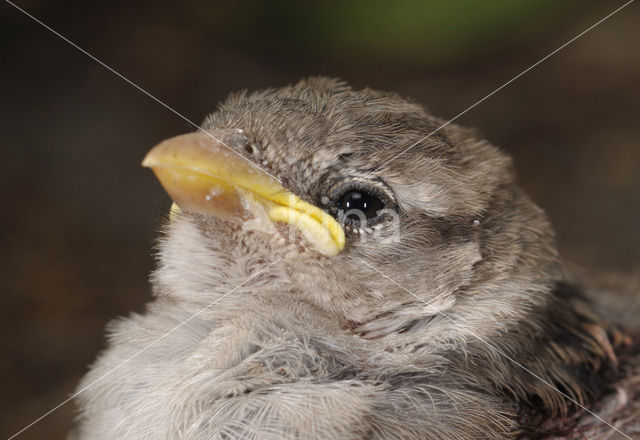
[427, 32]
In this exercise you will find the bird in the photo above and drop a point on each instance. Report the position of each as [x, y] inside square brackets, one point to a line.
[341, 264]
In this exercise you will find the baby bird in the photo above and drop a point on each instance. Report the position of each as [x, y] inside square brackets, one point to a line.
[339, 265]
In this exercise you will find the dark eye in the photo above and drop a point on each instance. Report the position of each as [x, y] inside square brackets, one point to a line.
[359, 204]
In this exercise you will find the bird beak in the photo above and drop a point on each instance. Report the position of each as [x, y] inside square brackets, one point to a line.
[203, 175]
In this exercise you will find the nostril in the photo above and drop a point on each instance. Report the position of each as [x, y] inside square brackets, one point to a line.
[250, 149]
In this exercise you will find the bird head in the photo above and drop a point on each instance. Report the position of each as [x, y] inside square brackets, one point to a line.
[370, 207]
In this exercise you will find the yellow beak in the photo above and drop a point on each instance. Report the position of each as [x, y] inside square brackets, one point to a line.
[202, 175]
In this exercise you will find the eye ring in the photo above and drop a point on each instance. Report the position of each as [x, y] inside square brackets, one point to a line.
[359, 203]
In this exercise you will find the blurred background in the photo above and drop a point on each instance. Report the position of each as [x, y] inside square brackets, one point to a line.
[80, 214]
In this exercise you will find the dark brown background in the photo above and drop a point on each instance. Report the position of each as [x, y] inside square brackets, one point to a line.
[79, 215]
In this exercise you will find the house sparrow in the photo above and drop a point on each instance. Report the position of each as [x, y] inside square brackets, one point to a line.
[333, 271]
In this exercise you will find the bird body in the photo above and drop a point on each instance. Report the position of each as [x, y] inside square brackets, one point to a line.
[377, 277]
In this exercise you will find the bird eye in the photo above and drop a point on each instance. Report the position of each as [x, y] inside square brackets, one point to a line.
[359, 203]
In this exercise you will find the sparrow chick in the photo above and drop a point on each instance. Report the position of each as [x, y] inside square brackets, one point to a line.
[334, 271]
